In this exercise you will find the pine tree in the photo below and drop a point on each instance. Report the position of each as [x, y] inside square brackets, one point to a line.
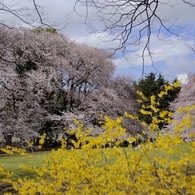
[151, 85]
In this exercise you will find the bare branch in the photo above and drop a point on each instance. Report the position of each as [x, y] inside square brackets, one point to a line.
[130, 22]
[23, 14]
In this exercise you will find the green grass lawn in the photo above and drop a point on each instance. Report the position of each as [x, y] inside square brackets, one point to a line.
[184, 148]
[13, 162]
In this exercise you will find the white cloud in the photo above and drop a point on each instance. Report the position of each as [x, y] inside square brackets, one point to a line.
[178, 11]
[99, 39]
[162, 50]
[170, 57]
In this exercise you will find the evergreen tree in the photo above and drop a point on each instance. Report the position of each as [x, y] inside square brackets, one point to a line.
[151, 85]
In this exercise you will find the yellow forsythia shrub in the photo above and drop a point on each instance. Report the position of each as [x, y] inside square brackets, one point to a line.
[162, 167]
[95, 169]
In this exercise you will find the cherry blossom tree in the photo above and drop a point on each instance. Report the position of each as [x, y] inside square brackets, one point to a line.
[47, 81]
[184, 107]
[112, 100]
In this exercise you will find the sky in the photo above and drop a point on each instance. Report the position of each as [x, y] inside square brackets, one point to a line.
[171, 54]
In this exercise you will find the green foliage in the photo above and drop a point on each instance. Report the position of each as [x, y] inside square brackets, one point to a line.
[152, 86]
[22, 69]
[51, 30]
[40, 29]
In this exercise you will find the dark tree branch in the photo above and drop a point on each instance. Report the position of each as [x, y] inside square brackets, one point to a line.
[23, 17]
[131, 21]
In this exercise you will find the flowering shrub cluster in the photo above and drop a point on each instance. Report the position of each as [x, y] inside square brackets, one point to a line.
[91, 168]
[153, 107]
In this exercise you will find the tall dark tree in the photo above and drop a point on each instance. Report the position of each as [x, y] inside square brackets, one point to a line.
[151, 85]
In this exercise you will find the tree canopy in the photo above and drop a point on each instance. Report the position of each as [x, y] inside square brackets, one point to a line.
[152, 85]
[47, 81]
